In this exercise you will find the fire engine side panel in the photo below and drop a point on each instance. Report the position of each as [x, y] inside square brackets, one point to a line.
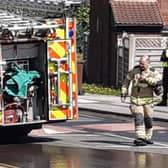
[38, 75]
[69, 32]
[60, 79]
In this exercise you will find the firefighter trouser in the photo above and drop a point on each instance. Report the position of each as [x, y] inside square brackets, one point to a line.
[143, 120]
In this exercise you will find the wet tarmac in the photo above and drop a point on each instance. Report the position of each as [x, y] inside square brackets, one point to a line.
[45, 156]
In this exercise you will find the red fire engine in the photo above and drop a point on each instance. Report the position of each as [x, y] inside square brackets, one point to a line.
[37, 71]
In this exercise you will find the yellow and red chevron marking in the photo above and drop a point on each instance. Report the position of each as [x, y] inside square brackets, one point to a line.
[74, 84]
[60, 32]
[74, 72]
[52, 67]
[72, 27]
[59, 113]
[55, 21]
[64, 67]
[72, 24]
[60, 21]
[58, 49]
[64, 92]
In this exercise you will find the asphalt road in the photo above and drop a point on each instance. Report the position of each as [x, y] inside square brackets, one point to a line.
[98, 131]
[94, 141]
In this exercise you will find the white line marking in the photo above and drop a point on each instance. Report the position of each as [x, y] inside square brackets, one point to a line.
[86, 101]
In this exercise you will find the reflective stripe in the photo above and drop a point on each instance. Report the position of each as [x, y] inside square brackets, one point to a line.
[151, 81]
[124, 90]
[166, 53]
[140, 131]
[141, 101]
[142, 85]
[149, 133]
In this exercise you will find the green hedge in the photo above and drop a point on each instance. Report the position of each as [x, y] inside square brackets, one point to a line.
[98, 89]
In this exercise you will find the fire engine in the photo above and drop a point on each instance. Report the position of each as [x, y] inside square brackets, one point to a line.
[38, 75]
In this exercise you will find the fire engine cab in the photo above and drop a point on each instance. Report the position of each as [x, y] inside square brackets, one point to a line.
[38, 78]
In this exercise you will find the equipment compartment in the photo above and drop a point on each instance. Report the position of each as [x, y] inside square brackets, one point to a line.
[23, 86]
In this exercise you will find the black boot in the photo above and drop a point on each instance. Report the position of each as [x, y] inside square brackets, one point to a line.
[149, 141]
[140, 142]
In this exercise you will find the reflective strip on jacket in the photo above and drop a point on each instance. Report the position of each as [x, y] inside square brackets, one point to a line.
[141, 101]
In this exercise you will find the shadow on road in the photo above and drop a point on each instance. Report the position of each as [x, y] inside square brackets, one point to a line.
[110, 142]
[24, 140]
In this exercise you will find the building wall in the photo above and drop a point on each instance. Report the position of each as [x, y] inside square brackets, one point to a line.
[113, 59]
[98, 58]
[103, 58]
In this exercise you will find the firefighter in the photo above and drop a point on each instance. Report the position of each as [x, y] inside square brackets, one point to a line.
[144, 79]
[164, 59]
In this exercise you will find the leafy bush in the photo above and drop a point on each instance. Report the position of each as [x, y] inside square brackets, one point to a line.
[98, 89]
[82, 17]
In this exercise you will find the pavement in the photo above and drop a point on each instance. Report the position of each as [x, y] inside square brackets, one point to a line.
[113, 105]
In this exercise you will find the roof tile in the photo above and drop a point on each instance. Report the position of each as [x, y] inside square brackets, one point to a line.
[136, 13]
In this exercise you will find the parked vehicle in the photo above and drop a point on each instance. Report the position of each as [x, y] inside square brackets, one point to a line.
[38, 73]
